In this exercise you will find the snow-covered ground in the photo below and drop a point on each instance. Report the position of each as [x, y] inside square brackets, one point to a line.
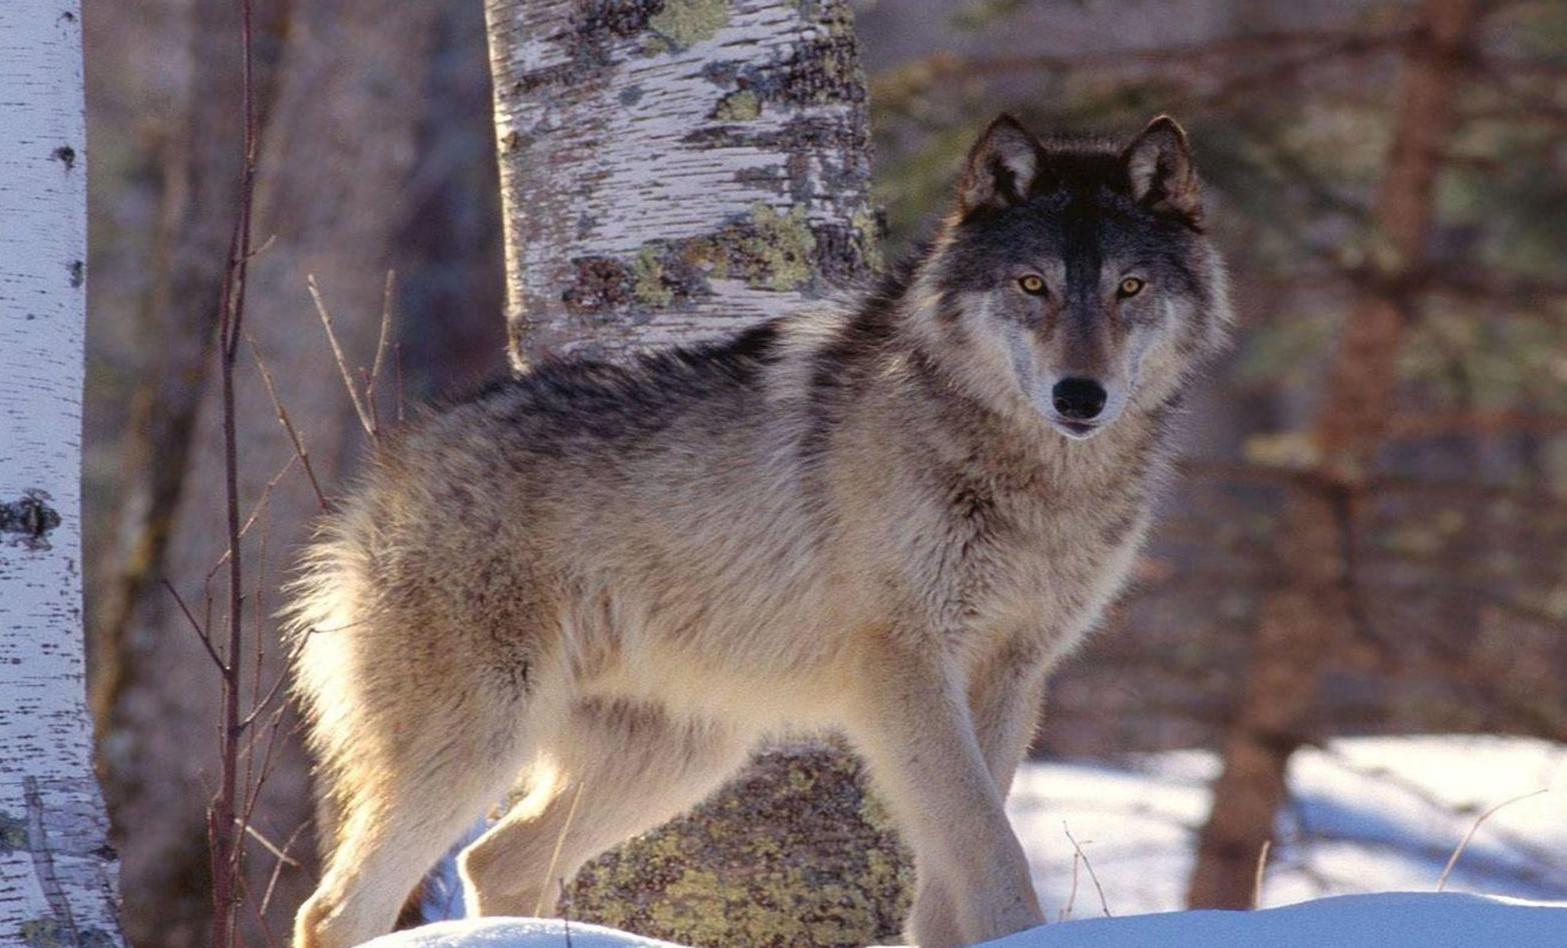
[1367, 815]
[1390, 920]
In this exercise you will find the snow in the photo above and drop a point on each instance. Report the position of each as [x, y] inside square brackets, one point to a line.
[1366, 815]
[1371, 824]
[513, 933]
[1390, 920]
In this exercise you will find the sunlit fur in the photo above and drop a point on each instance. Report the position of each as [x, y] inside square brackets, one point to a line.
[606, 584]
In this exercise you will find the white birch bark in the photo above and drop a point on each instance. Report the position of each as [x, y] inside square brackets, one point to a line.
[57, 872]
[674, 169]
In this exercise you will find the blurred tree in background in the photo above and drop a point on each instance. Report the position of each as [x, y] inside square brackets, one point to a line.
[1367, 536]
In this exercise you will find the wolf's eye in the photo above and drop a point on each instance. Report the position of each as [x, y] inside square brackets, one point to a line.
[1032, 284]
[1131, 286]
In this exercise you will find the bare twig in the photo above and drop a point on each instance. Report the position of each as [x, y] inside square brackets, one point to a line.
[560, 842]
[254, 790]
[1092, 876]
[1071, 897]
[201, 633]
[1464, 843]
[565, 916]
[227, 844]
[265, 700]
[277, 867]
[250, 789]
[1262, 864]
[255, 514]
[265, 246]
[255, 913]
[288, 426]
[397, 367]
[380, 351]
[267, 844]
[342, 362]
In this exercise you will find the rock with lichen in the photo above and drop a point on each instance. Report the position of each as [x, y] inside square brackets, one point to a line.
[792, 853]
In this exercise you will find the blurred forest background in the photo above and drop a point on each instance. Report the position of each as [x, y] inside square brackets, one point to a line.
[1368, 534]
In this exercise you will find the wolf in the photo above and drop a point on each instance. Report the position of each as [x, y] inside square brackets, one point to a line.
[604, 583]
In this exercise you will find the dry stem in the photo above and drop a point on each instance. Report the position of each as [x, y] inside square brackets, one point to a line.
[1092, 876]
[1464, 843]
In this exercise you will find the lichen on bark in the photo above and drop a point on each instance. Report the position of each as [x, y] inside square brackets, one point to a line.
[684, 23]
[637, 146]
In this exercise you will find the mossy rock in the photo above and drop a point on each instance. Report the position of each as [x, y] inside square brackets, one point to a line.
[791, 853]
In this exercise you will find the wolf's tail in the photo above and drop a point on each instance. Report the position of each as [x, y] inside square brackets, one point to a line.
[329, 614]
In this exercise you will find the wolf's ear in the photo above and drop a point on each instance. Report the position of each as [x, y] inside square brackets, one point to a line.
[1001, 166]
[1159, 166]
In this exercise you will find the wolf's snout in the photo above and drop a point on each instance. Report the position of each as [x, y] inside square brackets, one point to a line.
[1078, 399]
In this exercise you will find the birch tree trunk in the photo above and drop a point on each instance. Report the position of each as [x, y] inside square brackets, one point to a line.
[1302, 624]
[57, 872]
[672, 170]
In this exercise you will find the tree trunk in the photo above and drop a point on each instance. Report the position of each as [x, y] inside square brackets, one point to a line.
[333, 196]
[672, 170]
[1302, 624]
[57, 872]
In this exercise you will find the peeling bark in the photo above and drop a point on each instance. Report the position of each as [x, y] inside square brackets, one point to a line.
[673, 170]
[57, 872]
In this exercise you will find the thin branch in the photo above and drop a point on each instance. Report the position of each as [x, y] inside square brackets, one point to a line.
[397, 367]
[383, 338]
[265, 246]
[253, 793]
[560, 841]
[255, 913]
[261, 705]
[227, 846]
[1071, 896]
[1092, 876]
[300, 450]
[342, 362]
[201, 633]
[268, 845]
[1262, 865]
[255, 513]
[277, 867]
[1464, 843]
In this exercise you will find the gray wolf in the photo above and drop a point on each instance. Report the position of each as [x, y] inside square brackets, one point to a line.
[605, 583]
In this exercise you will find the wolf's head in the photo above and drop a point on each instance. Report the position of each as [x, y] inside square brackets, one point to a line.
[1075, 279]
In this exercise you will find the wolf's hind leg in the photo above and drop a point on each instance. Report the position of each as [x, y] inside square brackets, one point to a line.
[400, 811]
[624, 768]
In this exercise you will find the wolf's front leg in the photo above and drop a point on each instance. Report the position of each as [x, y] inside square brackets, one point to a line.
[912, 723]
[1004, 697]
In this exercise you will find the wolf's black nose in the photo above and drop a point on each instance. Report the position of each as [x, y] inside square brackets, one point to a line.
[1078, 399]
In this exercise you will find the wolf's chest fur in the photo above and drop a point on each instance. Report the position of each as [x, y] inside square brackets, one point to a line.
[991, 527]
